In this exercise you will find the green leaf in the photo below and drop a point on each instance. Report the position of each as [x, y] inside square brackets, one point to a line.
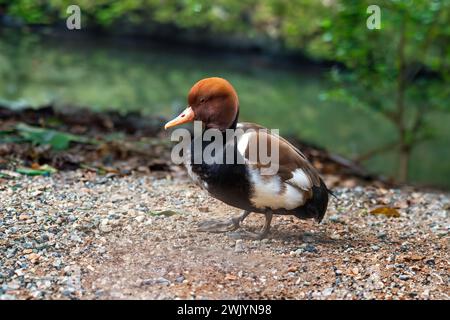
[166, 213]
[41, 136]
[44, 170]
[9, 136]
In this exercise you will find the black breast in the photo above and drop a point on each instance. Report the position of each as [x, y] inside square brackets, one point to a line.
[226, 182]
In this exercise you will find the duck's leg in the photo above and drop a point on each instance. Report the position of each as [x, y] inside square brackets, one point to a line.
[223, 226]
[242, 234]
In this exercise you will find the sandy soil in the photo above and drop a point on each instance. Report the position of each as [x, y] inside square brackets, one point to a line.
[77, 235]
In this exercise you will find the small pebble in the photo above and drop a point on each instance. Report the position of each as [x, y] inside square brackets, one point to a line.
[310, 248]
[105, 228]
[239, 246]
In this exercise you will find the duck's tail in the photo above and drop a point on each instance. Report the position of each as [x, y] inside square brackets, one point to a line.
[317, 205]
[320, 200]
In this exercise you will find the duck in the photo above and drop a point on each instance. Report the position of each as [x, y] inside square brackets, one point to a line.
[295, 188]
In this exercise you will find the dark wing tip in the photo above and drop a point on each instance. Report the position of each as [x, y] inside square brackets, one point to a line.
[331, 193]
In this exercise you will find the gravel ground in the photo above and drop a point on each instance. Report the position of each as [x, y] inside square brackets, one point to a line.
[77, 235]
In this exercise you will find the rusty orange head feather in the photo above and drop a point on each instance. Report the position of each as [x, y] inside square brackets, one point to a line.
[212, 101]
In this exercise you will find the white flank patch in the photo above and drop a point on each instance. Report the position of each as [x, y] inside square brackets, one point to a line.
[243, 143]
[266, 193]
[300, 179]
[190, 173]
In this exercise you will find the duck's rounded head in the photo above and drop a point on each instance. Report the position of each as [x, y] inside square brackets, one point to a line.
[212, 101]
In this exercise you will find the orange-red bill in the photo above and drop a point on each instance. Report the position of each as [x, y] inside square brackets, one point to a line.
[186, 116]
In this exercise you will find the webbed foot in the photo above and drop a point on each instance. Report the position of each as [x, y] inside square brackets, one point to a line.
[218, 226]
[244, 234]
[222, 226]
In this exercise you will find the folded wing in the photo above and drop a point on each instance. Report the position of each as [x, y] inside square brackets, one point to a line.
[291, 186]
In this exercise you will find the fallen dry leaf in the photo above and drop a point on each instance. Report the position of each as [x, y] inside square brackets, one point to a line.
[413, 257]
[387, 211]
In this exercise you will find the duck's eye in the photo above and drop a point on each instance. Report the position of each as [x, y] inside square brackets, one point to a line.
[202, 100]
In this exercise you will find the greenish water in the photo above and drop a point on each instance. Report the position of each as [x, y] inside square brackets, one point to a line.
[103, 75]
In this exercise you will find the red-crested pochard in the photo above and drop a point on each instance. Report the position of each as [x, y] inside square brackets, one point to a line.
[295, 189]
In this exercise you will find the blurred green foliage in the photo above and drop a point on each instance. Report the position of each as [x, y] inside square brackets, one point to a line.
[103, 76]
[400, 73]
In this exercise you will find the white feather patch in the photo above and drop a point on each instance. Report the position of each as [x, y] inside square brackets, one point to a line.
[266, 192]
[194, 176]
[243, 143]
[300, 179]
